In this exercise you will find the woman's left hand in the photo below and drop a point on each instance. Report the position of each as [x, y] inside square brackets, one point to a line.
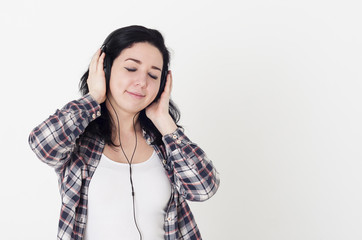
[158, 113]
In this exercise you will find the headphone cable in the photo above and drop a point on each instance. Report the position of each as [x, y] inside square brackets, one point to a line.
[129, 162]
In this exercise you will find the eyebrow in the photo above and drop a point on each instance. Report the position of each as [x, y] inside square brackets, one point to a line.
[139, 62]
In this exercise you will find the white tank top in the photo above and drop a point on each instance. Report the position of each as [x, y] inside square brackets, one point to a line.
[110, 209]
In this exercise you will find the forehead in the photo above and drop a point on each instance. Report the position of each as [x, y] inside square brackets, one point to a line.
[145, 52]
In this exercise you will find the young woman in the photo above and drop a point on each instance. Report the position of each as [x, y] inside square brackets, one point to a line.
[125, 167]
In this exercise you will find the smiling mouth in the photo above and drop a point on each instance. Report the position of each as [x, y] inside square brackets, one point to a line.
[138, 95]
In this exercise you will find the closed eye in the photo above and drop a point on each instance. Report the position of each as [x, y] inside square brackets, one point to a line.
[130, 69]
[152, 76]
[135, 69]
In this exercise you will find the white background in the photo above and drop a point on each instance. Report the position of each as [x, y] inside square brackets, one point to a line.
[271, 90]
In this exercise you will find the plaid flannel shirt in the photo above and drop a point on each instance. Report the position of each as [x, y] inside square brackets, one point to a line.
[192, 175]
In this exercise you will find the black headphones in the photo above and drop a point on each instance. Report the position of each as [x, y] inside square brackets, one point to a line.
[107, 70]
[106, 64]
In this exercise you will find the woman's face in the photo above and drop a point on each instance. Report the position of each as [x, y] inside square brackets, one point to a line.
[135, 77]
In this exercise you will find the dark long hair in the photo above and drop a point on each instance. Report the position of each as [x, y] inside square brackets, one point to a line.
[113, 45]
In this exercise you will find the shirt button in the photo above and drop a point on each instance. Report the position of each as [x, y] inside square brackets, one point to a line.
[98, 113]
[174, 136]
[93, 115]
[169, 219]
[178, 141]
[164, 162]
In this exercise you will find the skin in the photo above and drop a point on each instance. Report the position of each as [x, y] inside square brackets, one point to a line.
[134, 84]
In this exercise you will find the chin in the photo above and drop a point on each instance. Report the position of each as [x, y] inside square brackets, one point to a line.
[135, 109]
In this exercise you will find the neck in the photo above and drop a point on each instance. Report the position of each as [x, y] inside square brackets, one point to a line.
[124, 123]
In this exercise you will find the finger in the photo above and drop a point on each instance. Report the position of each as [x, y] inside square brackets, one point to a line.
[93, 63]
[100, 62]
[168, 85]
[171, 80]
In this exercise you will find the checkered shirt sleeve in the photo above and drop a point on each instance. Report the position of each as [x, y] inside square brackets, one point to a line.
[195, 176]
[54, 139]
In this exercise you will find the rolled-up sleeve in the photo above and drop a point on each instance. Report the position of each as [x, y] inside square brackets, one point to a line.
[195, 176]
[54, 139]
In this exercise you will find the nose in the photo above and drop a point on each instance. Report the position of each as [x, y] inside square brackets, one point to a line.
[141, 80]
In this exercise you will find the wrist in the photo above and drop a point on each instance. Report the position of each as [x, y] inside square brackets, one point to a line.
[96, 97]
[165, 125]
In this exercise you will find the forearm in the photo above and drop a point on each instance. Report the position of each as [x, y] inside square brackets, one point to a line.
[165, 125]
[197, 178]
[54, 139]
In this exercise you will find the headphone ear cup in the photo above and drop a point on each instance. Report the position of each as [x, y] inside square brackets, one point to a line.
[107, 70]
[163, 83]
[165, 73]
[105, 61]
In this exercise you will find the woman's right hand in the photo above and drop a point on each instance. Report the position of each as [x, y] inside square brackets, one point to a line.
[96, 78]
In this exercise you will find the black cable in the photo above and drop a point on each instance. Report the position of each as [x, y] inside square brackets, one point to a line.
[129, 163]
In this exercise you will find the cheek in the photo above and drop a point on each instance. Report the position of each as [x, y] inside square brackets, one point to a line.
[113, 85]
[154, 88]
[117, 81]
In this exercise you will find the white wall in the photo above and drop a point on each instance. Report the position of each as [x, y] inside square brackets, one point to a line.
[271, 90]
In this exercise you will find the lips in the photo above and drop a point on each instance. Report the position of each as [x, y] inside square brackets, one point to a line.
[136, 94]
